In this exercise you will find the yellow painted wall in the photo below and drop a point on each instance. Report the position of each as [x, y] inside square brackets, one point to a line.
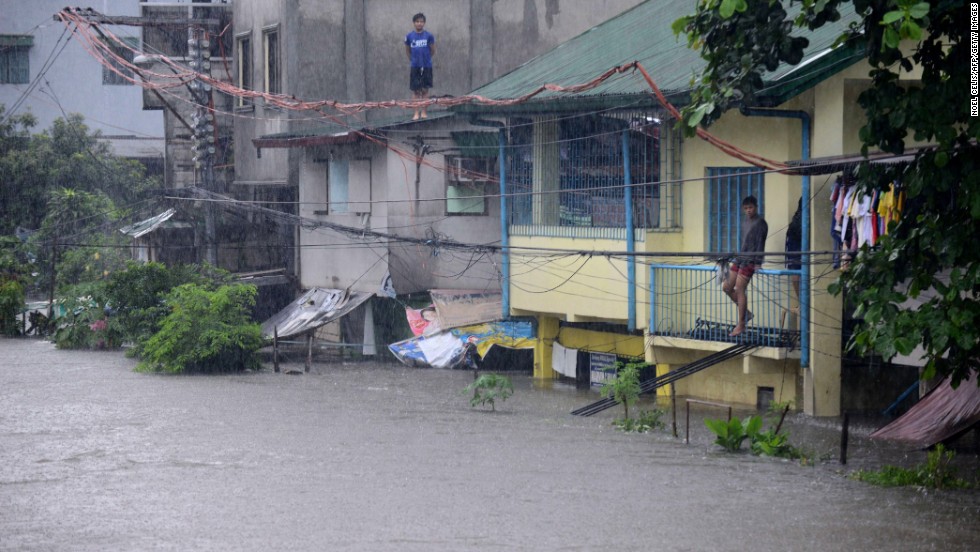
[577, 287]
[774, 138]
[601, 342]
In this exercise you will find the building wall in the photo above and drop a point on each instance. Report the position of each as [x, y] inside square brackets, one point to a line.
[72, 83]
[353, 50]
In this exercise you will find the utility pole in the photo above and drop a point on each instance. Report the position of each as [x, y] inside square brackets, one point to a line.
[199, 52]
[203, 125]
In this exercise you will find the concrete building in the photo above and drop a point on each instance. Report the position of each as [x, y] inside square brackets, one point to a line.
[47, 73]
[375, 170]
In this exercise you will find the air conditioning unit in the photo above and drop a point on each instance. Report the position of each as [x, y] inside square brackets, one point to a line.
[462, 172]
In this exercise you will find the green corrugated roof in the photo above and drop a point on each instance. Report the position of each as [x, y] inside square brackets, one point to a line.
[643, 34]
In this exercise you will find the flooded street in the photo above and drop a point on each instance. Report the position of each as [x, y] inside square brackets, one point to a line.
[381, 457]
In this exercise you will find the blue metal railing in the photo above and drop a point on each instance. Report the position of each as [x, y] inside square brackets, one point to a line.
[688, 302]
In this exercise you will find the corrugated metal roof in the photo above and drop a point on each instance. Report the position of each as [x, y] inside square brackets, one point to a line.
[644, 34]
[144, 227]
[313, 309]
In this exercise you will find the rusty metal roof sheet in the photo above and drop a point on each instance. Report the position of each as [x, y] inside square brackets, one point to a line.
[943, 414]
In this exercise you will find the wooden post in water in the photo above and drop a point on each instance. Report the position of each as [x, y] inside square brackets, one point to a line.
[309, 351]
[843, 437]
[673, 409]
[275, 348]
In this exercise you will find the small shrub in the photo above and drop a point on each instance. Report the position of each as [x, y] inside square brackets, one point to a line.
[625, 387]
[731, 434]
[85, 324]
[488, 388]
[935, 474]
[770, 443]
[205, 331]
[647, 420]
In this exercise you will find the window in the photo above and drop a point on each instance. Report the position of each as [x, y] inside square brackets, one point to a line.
[270, 55]
[119, 73]
[15, 65]
[467, 182]
[727, 187]
[337, 186]
[243, 56]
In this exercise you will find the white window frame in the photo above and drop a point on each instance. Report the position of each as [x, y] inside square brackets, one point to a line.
[271, 60]
[467, 182]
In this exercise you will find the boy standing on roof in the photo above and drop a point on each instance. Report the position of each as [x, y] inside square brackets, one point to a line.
[754, 234]
[420, 46]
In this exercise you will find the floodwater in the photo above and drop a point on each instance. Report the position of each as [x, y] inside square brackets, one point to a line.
[381, 457]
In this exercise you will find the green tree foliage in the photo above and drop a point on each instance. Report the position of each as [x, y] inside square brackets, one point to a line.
[137, 295]
[86, 323]
[83, 227]
[625, 387]
[205, 331]
[68, 155]
[933, 248]
[11, 303]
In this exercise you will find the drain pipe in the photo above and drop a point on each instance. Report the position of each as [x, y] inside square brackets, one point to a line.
[630, 235]
[804, 118]
[504, 229]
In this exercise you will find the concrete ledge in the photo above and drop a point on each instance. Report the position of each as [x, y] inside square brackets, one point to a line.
[772, 353]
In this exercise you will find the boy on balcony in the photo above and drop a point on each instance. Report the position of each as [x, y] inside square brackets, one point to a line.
[754, 234]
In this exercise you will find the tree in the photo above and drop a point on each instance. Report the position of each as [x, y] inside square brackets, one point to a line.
[625, 387]
[68, 155]
[205, 331]
[933, 249]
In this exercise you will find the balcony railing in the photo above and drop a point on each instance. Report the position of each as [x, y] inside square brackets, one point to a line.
[688, 302]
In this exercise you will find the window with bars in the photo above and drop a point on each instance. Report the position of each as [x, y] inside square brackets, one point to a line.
[726, 188]
[15, 65]
[566, 174]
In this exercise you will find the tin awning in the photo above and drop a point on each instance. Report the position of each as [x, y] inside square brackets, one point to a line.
[313, 309]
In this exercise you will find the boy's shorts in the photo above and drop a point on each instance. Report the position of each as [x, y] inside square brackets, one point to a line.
[793, 262]
[746, 270]
[420, 79]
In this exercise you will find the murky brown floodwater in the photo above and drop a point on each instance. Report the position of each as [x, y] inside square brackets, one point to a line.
[369, 457]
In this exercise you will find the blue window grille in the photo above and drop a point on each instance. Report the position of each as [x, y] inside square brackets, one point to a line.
[727, 187]
[581, 194]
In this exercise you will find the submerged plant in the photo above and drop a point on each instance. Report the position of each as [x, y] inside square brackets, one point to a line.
[625, 387]
[488, 388]
[770, 443]
[731, 434]
[647, 420]
[935, 474]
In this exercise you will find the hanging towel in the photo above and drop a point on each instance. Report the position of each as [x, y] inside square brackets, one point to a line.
[564, 361]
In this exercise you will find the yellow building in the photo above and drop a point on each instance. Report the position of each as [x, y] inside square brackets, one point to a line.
[616, 257]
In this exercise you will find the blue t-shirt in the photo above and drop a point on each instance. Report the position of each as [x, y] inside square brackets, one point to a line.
[419, 44]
